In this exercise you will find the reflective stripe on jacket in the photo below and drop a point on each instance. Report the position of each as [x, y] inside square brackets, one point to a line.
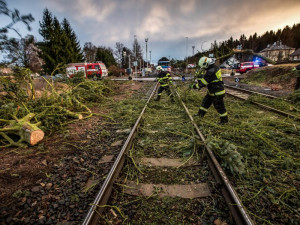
[213, 80]
[164, 78]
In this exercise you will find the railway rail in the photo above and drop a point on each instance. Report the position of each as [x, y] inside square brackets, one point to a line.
[235, 206]
[244, 94]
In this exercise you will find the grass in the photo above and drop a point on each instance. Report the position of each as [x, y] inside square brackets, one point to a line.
[270, 147]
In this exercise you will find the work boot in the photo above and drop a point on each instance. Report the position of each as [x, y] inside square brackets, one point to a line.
[200, 113]
[223, 119]
[157, 98]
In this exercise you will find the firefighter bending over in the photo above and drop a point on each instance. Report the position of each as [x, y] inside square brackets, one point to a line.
[215, 88]
[165, 80]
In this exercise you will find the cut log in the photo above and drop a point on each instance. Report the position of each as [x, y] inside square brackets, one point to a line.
[28, 132]
[31, 134]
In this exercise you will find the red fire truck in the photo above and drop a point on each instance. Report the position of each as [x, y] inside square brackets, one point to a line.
[91, 70]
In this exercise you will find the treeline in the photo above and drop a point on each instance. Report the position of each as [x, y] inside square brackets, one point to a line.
[289, 36]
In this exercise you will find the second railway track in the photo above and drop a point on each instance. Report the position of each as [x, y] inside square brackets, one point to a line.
[246, 94]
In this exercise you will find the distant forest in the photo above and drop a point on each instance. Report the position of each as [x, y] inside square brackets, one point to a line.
[289, 36]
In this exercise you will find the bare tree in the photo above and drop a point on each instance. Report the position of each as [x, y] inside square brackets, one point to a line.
[23, 52]
[90, 51]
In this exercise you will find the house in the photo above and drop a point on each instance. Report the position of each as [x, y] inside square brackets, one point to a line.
[277, 52]
[295, 56]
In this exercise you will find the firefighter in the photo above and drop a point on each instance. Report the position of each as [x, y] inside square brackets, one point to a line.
[215, 88]
[165, 80]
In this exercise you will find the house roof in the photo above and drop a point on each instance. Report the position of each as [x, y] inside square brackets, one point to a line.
[276, 46]
[297, 52]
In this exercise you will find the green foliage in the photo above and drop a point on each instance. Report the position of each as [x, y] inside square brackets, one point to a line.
[78, 78]
[60, 44]
[20, 193]
[105, 55]
[231, 159]
[269, 145]
[295, 98]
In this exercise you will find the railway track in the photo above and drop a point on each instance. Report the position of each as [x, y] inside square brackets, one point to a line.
[161, 193]
[245, 95]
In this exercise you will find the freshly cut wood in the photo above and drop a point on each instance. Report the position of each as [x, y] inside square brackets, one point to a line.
[28, 132]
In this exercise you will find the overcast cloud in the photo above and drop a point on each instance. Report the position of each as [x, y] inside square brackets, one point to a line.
[165, 22]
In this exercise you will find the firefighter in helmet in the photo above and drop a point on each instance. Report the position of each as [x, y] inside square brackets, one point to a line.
[165, 80]
[212, 79]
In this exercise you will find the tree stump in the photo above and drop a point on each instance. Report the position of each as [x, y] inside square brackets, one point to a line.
[28, 132]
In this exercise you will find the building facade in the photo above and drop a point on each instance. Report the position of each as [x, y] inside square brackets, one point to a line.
[277, 52]
[295, 56]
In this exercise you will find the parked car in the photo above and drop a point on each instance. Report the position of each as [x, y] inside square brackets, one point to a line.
[59, 77]
[246, 66]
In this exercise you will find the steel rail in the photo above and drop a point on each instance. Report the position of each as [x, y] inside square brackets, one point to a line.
[267, 107]
[250, 92]
[237, 209]
[104, 193]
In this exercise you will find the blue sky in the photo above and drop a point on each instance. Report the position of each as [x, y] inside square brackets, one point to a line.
[166, 23]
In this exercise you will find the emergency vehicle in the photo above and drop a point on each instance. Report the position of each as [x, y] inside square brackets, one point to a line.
[91, 70]
[246, 66]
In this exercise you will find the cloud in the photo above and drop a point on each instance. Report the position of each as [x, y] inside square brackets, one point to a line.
[167, 23]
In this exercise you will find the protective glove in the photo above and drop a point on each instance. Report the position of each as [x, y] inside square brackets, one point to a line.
[194, 86]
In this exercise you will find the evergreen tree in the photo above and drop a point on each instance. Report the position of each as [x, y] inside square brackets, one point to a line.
[60, 45]
[75, 54]
[105, 55]
[46, 31]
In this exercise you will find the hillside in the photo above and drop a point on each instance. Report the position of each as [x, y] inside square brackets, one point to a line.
[278, 77]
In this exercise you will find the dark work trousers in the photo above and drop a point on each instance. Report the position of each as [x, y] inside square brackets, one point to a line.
[217, 101]
[297, 86]
[166, 88]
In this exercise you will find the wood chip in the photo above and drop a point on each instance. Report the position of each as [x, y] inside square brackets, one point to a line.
[116, 143]
[106, 159]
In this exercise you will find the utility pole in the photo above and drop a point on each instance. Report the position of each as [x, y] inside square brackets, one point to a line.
[186, 69]
[129, 65]
[150, 59]
[193, 49]
[124, 58]
[146, 40]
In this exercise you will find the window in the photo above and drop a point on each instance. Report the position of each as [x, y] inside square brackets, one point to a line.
[97, 67]
[90, 67]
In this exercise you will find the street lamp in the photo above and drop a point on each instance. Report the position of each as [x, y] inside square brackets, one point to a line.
[150, 59]
[135, 63]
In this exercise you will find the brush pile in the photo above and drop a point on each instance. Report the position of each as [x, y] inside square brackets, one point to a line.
[51, 108]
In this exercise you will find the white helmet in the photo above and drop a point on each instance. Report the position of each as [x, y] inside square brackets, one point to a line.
[204, 62]
[159, 68]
